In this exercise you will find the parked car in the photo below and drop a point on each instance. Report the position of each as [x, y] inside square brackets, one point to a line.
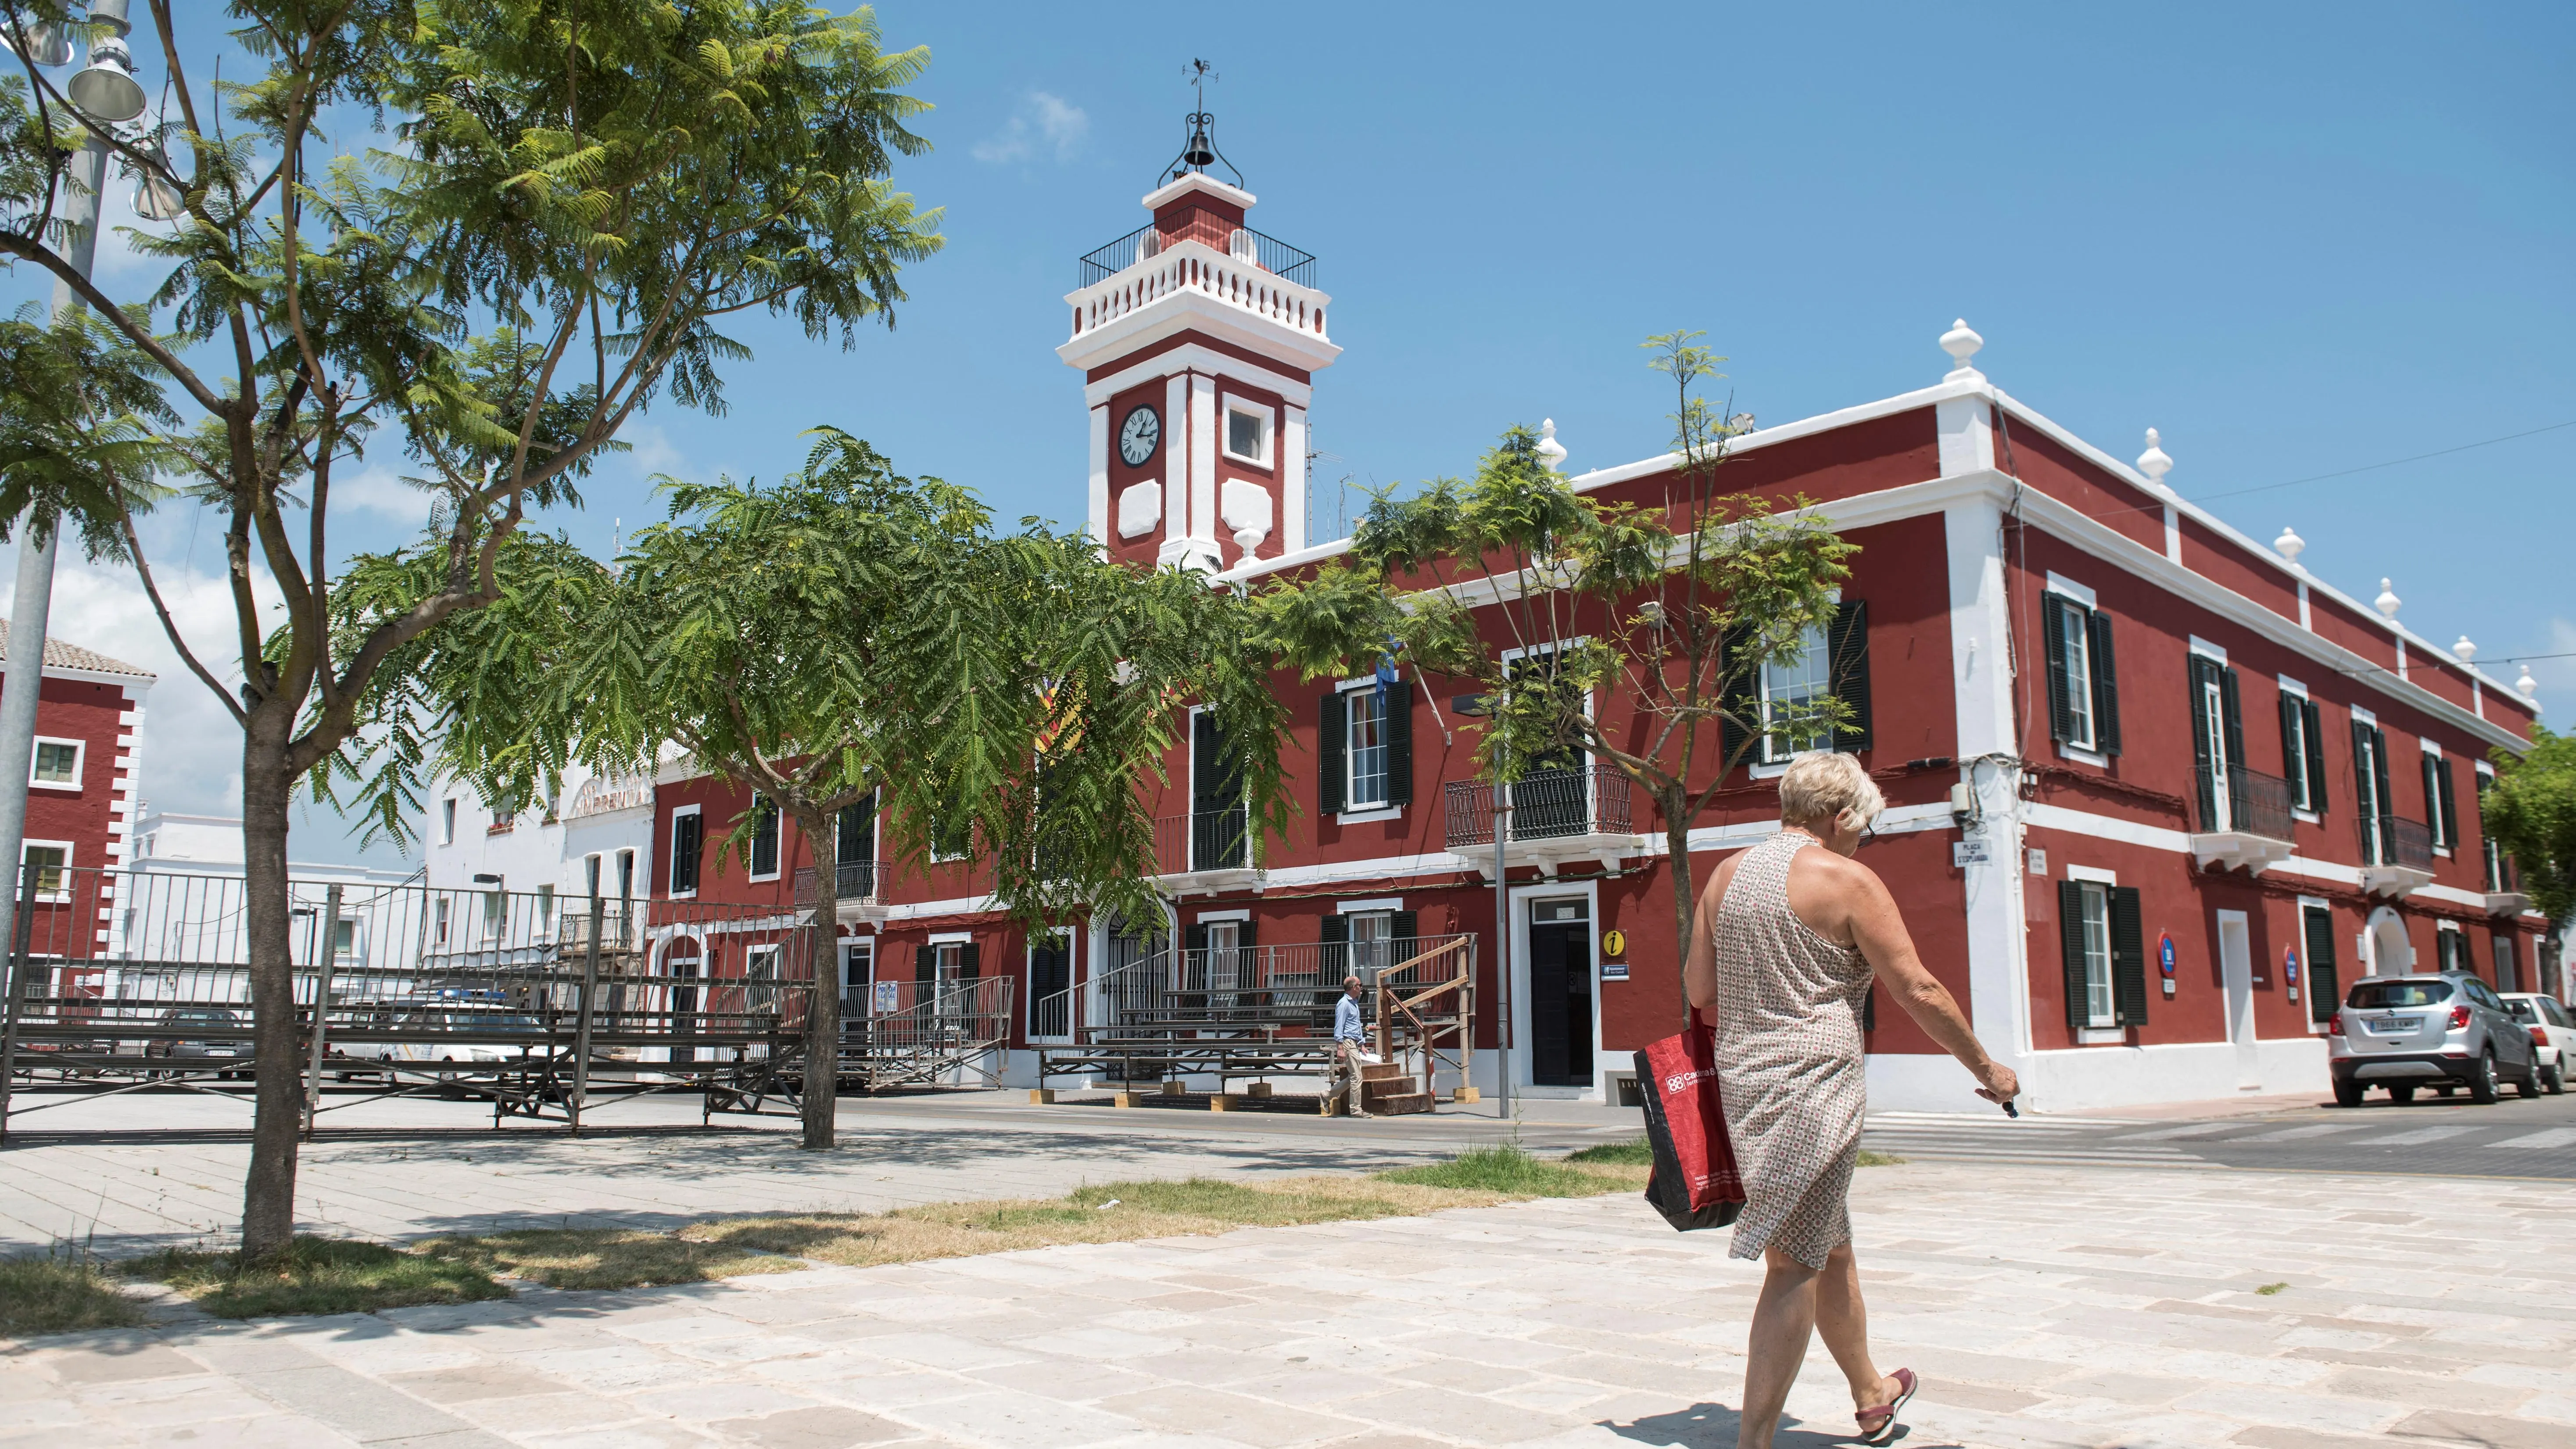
[2443, 1029]
[2553, 1032]
[199, 1049]
[441, 1031]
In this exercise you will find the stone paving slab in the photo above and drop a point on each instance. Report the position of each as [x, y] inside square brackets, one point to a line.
[2044, 1307]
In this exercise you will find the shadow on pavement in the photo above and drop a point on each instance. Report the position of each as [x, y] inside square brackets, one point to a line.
[1712, 1426]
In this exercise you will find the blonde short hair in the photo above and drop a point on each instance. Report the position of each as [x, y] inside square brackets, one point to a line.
[1823, 785]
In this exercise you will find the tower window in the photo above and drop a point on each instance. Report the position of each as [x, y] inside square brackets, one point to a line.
[1247, 435]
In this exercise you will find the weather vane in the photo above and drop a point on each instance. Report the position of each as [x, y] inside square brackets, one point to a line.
[1200, 150]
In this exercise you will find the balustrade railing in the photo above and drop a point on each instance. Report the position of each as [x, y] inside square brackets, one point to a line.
[1207, 228]
[1241, 283]
[2396, 840]
[2254, 804]
[1545, 805]
[854, 883]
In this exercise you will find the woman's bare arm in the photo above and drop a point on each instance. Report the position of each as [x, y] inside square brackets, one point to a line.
[1878, 929]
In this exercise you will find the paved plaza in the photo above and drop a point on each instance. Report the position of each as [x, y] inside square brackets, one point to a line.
[2045, 1303]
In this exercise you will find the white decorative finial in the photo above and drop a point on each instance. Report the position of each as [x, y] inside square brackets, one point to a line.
[1962, 342]
[2153, 461]
[1551, 453]
[2289, 545]
[2464, 651]
[2528, 685]
[2387, 601]
[1249, 539]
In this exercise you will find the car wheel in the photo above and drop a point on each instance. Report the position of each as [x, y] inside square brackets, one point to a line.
[2348, 1094]
[2556, 1079]
[2529, 1087]
[2402, 1092]
[2482, 1087]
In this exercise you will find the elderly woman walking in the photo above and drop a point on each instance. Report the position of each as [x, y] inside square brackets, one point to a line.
[1789, 941]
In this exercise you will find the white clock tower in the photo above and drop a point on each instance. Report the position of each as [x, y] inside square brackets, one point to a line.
[1198, 340]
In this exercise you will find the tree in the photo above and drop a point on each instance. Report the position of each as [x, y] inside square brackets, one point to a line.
[1633, 636]
[571, 198]
[852, 635]
[2531, 812]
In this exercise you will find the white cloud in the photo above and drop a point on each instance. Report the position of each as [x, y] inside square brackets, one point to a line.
[1044, 123]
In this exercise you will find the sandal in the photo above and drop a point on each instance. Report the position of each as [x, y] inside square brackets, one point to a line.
[1885, 1432]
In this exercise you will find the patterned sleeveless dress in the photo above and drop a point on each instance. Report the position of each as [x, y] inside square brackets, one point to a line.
[1788, 1060]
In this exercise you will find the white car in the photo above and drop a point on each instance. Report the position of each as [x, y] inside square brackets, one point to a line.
[2553, 1033]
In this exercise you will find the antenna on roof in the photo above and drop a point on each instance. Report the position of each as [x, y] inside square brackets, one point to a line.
[1199, 151]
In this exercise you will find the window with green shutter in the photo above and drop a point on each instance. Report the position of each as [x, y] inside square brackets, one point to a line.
[2325, 992]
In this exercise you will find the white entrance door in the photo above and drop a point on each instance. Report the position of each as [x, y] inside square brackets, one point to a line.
[2236, 970]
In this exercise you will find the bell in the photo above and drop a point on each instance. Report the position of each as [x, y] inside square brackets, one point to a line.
[1199, 151]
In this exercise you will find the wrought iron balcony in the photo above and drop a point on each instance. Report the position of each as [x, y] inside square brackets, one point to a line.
[2396, 854]
[1208, 228]
[1205, 849]
[1556, 815]
[620, 927]
[854, 883]
[2248, 825]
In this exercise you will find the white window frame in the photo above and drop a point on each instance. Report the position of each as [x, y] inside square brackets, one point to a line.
[1384, 956]
[447, 821]
[2443, 846]
[2295, 690]
[2078, 641]
[671, 863]
[778, 845]
[443, 913]
[626, 873]
[1228, 406]
[1363, 814]
[2101, 994]
[2212, 705]
[53, 897]
[2480, 778]
[1766, 763]
[80, 764]
[2452, 929]
[1352, 803]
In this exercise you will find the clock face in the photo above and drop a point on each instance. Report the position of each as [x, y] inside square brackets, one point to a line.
[1140, 435]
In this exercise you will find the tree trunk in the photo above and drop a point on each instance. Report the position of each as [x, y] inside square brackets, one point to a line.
[1677, 851]
[268, 1195]
[823, 1015]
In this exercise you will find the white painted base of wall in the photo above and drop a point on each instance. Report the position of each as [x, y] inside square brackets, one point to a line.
[2109, 1076]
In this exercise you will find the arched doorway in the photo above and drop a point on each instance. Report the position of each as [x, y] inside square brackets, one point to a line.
[2391, 954]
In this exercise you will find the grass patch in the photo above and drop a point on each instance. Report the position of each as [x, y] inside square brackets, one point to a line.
[1880, 1159]
[315, 1275]
[601, 1257]
[2268, 1289]
[1635, 1153]
[61, 1293]
[1507, 1169]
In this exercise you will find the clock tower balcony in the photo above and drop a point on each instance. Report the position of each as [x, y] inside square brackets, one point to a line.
[1197, 268]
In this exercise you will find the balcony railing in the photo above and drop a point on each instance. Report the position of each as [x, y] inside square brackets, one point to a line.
[1545, 805]
[1245, 988]
[620, 927]
[1200, 841]
[2255, 804]
[854, 883]
[2396, 840]
[1207, 228]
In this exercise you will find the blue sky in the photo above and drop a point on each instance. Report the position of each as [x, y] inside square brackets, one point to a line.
[2296, 239]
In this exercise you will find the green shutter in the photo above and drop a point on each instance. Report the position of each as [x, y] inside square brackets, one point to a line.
[2387, 804]
[1332, 754]
[2201, 673]
[2324, 995]
[2070, 930]
[2106, 685]
[1847, 653]
[970, 960]
[2128, 957]
[2233, 707]
[925, 964]
[2294, 759]
[1404, 926]
[1399, 743]
[2449, 802]
[1739, 695]
[2061, 713]
[2316, 756]
[1334, 960]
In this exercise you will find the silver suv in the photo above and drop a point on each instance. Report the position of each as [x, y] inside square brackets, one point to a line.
[2443, 1029]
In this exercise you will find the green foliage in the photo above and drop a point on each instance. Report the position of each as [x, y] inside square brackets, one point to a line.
[77, 437]
[314, 1275]
[847, 631]
[61, 1291]
[1506, 1168]
[2531, 812]
[1636, 1152]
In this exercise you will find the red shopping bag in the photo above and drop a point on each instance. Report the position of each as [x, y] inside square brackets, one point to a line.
[1694, 1183]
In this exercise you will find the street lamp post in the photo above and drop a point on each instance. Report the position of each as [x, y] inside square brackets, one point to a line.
[105, 93]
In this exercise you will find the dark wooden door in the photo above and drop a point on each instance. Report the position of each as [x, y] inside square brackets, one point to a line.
[1560, 984]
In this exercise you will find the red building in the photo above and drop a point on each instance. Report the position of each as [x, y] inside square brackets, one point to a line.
[2203, 789]
[81, 803]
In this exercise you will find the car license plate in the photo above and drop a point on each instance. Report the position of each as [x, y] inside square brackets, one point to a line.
[2391, 1025]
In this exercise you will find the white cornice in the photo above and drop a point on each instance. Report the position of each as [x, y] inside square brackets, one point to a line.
[1171, 191]
[1192, 357]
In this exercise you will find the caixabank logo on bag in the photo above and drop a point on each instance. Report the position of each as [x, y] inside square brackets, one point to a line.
[1679, 1080]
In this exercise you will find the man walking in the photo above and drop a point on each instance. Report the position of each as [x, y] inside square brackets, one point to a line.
[1350, 1037]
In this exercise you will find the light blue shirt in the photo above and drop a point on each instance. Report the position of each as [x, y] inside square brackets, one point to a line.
[1346, 1020]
